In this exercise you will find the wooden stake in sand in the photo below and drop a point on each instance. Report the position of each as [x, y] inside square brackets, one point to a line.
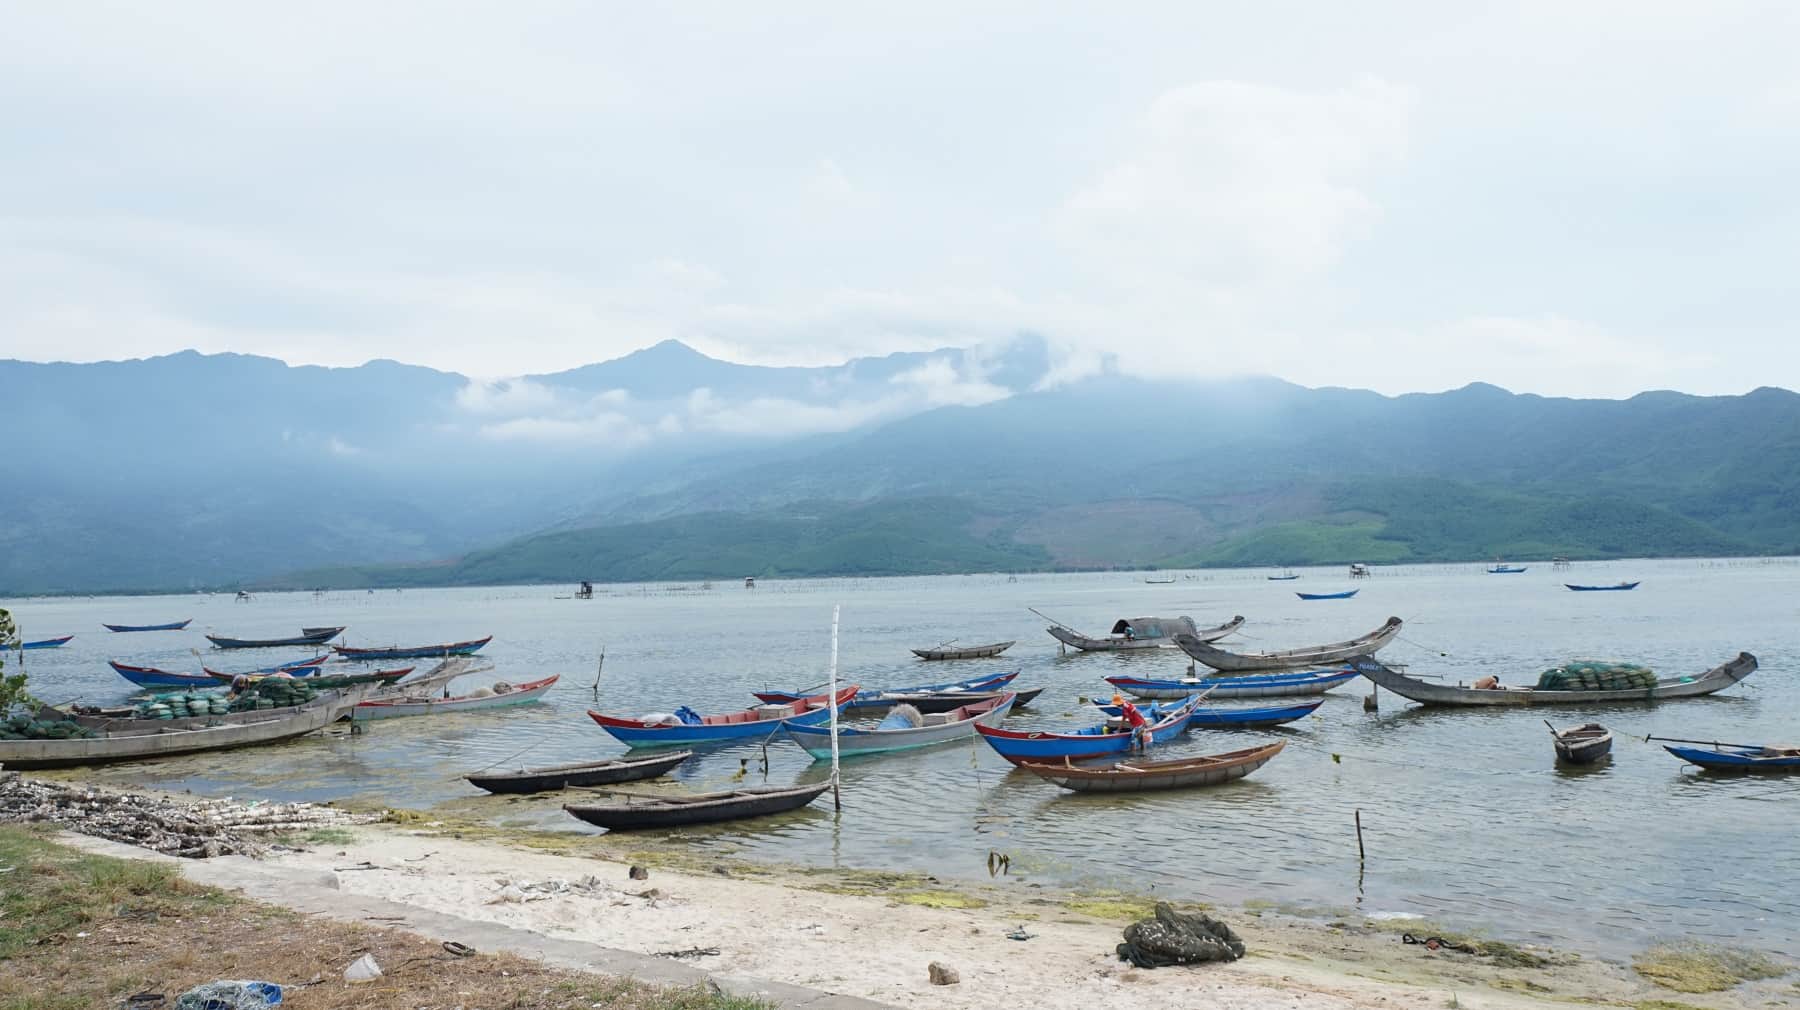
[837, 801]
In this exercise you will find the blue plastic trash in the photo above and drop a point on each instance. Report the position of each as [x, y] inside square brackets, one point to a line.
[230, 996]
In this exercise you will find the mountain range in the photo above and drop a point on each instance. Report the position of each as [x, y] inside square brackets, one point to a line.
[194, 470]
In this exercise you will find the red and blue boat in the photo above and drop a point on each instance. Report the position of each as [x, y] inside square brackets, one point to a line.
[150, 676]
[172, 626]
[1104, 740]
[1208, 717]
[468, 648]
[45, 643]
[685, 726]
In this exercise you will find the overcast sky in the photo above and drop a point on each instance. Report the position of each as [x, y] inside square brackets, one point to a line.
[1584, 199]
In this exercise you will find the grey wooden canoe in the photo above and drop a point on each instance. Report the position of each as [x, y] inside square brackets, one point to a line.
[1289, 659]
[956, 724]
[1130, 633]
[145, 739]
[1425, 692]
[587, 773]
[1143, 776]
[1582, 745]
[965, 652]
[644, 810]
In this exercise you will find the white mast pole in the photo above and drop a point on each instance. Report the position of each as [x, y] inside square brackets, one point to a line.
[837, 801]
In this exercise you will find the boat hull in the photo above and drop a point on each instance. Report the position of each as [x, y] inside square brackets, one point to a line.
[1412, 688]
[1039, 745]
[873, 699]
[1076, 640]
[664, 812]
[637, 733]
[1329, 596]
[414, 652]
[525, 694]
[816, 740]
[593, 773]
[149, 676]
[172, 626]
[47, 643]
[929, 704]
[1285, 685]
[972, 652]
[1620, 588]
[319, 636]
[1290, 659]
[175, 737]
[1734, 759]
[1134, 777]
[1208, 717]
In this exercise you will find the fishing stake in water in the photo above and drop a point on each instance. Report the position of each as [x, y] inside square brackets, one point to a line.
[837, 800]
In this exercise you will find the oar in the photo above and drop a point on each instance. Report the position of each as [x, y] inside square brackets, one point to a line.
[1709, 743]
[1553, 731]
[1052, 620]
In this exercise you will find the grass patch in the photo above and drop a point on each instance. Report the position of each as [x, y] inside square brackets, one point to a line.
[79, 931]
[939, 899]
[1114, 906]
[1664, 1004]
[328, 836]
[1703, 968]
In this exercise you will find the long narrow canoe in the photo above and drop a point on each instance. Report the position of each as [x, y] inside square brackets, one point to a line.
[945, 727]
[468, 648]
[1346, 594]
[751, 724]
[1140, 776]
[1093, 742]
[1143, 633]
[1288, 659]
[172, 626]
[640, 810]
[1617, 587]
[45, 643]
[1507, 570]
[313, 676]
[1278, 685]
[993, 682]
[1425, 692]
[589, 773]
[964, 652]
[1720, 757]
[935, 702]
[145, 739]
[1211, 717]
[297, 667]
[308, 636]
[392, 708]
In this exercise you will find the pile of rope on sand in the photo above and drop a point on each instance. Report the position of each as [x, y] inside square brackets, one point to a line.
[195, 829]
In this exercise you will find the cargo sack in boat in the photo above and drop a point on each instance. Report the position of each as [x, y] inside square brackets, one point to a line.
[689, 717]
[1171, 938]
[1597, 675]
[902, 716]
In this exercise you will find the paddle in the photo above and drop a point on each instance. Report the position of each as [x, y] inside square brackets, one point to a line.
[1707, 743]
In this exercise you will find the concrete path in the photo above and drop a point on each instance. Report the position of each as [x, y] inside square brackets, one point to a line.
[318, 894]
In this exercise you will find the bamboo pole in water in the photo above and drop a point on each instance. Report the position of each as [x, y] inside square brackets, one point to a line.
[837, 801]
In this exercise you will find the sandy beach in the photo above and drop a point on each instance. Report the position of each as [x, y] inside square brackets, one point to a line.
[873, 935]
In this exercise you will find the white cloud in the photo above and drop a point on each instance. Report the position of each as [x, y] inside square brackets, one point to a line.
[611, 431]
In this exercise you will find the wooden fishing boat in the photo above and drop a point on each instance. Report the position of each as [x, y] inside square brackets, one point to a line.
[1346, 594]
[1288, 659]
[640, 810]
[932, 703]
[309, 636]
[1583, 744]
[1143, 633]
[1133, 776]
[685, 726]
[589, 773]
[1277, 685]
[468, 648]
[964, 652]
[1093, 742]
[172, 626]
[44, 643]
[1504, 569]
[1617, 587]
[145, 739]
[313, 676]
[1212, 717]
[1283, 577]
[150, 676]
[297, 667]
[873, 699]
[392, 708]
[943, 727]
[1168, 580]
[1427, 693]
[1740, 757]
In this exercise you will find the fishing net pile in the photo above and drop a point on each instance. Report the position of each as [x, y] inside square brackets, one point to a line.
[182, 706]
[1597, 675]
[24, 727]
[1171, 937]
[274, 692]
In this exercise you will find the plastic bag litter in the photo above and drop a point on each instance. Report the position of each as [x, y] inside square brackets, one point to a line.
[363, 969]
[230, 996]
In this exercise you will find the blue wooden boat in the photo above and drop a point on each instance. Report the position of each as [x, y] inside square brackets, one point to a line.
[1740, 757]
[684, 726]
[1274, 685]
[1206, 716]
[1617, 587]
[1506, 570]
[1104, 740]
[45, 643]
[1346, 594]
[872, 698]
[150, 676]
[174, 626]
[468, 648]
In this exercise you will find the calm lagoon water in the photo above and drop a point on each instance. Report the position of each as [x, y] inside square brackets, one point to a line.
[1466, 818]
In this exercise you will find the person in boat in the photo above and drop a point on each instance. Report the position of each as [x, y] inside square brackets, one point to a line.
[239, 684]
[1134, 719]
[1487, 683]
